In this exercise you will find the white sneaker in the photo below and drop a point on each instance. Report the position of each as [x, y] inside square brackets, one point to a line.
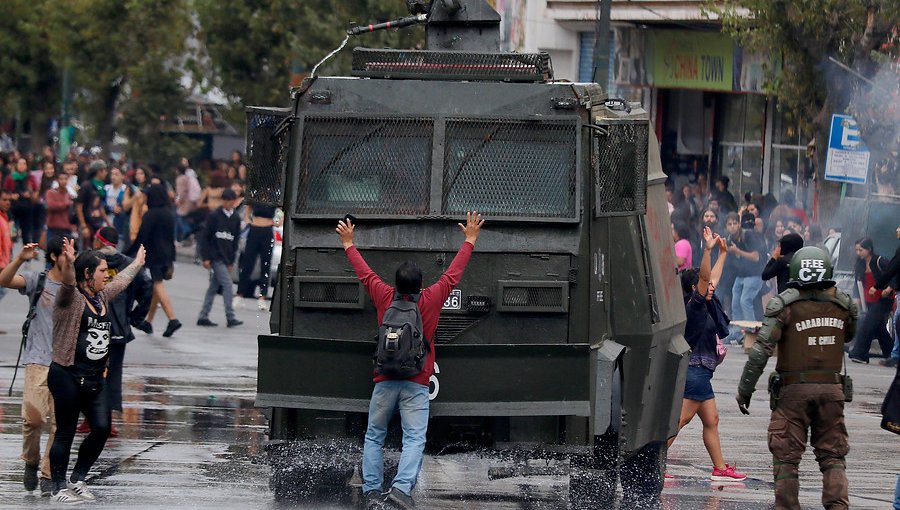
[67, 496]
[262, 304]
[80, 488]
[237, 302]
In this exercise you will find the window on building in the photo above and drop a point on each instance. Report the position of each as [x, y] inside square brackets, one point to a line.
[790, 166]
[741, 142]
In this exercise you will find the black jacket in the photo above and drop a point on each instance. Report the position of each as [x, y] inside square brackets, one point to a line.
[780, 269]
[219, 240]
[131, 306]
[891, 275]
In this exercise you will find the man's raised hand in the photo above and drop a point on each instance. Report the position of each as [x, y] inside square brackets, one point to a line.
[345, 232]
[472, 228]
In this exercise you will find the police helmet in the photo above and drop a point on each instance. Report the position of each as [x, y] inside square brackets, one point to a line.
[811, 269]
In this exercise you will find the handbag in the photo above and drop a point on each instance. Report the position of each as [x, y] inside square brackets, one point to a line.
[721, 351]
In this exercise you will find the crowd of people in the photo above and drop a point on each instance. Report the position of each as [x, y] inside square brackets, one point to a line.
[109, 231]
[761, 235]
[764, 261]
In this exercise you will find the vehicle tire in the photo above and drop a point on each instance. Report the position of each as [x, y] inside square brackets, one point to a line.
[643, 476]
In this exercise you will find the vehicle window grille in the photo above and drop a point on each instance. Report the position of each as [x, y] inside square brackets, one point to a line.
[266, 157]
[621, 176]
[451, 65]
[328, 292]
[365, 166]
[508, 168]
[518, 296]
[450, 326]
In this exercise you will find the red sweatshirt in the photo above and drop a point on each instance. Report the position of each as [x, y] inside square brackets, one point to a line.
[58, 204]
[430, 303]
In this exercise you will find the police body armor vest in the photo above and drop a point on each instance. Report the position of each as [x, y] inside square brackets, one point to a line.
[813, 336]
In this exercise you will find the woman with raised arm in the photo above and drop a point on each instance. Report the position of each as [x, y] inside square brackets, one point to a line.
[81, 330]
[705, 321]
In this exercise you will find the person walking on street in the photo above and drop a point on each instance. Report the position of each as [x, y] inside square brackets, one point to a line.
[218, 249]
[260, 240]
[37, 403]
[407, 395]
[25, 191]
[82, 325]
[157, 233]
[888, 283]
[808, 324]
[870, 267]
[187, 195]
[706, 320]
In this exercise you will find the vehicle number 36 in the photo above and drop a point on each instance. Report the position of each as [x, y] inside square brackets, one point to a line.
[454, 300]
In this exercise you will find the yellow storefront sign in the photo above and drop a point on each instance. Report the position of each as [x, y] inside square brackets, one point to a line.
[683, 59]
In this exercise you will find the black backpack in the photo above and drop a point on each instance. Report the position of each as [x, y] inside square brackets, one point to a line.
[400, 353]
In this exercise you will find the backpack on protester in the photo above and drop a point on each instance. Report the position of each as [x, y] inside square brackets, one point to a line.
[401, 348]
[32, 310]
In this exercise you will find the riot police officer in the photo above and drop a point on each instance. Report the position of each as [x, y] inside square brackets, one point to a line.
[809, 323]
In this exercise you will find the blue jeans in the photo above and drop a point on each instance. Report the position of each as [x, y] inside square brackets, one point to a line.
[411, 400]
[219, 277]
[897, 495]
[743, 293]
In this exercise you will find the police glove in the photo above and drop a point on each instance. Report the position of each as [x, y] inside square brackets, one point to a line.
[743, 403]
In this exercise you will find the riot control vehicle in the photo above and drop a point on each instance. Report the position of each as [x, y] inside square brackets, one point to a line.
[563, 339]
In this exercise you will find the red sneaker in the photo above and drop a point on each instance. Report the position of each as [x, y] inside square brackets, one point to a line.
[113, 431]
[84, 428]
[729, 474]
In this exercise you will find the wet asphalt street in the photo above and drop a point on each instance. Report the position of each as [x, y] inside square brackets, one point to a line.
[190, 436]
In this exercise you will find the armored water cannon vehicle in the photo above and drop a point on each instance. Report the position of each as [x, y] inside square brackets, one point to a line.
[564, 337]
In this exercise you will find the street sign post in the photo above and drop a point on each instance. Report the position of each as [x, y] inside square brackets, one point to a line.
[848, 158]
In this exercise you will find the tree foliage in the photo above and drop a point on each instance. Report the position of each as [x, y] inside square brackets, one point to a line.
[252, 47]
[806, 35]
[29, 80]
[125, 58]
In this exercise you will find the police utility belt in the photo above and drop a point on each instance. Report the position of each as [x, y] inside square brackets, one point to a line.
[778, 380]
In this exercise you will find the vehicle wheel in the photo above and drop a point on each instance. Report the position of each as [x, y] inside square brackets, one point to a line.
[643, 476]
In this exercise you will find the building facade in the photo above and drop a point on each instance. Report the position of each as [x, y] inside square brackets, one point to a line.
[704, 93]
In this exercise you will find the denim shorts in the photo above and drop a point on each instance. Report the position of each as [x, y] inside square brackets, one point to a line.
[698, 385]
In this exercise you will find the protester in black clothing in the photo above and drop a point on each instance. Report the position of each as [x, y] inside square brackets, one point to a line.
[81, 329]
[724, 197]
[157, 234]
[778, 266]
[128, 309]
[259, 247]
[887, 283]
[218, 249]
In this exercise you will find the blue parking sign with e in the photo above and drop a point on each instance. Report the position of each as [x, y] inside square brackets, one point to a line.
[847, 159]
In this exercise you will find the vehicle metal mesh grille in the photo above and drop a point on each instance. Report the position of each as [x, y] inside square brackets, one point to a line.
[451, 65]
[328, 292]
[621, 178]
[266, 157]
[450, 326]
[508, 168]
[532, 296]
[365, 166]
